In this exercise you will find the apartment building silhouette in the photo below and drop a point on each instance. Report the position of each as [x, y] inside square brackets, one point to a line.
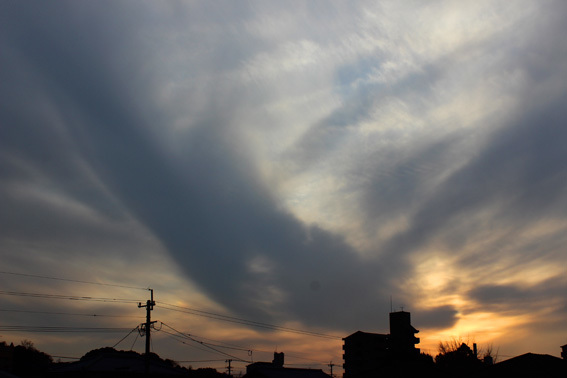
[367, 354]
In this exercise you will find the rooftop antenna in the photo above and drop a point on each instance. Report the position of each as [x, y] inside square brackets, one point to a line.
[391, 308]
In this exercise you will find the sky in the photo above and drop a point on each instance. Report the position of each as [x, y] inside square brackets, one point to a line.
[306, 165]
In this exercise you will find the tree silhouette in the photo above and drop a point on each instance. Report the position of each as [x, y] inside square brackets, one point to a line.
[457, 358]
[28, 361]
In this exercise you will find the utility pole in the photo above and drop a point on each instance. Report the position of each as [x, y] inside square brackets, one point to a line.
[150, 303]
[331, 364]
[229, 368]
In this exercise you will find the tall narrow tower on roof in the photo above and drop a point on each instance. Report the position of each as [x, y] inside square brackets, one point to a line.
[402, 333]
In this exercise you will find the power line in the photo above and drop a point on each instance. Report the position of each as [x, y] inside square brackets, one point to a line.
[191, 311]
[250, 350]
[51, 329]
[226, 345]
[287, 354]
[231, 319]
[124, 338]
[71, 280]
[196, 361]
[68, 297]
[188, 337]
[166, 306]
[66, 357]
[180, 340]
[69, 313]
[192, 336]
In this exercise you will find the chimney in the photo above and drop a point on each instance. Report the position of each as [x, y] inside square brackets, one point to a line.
[475, 351]
[278, 359]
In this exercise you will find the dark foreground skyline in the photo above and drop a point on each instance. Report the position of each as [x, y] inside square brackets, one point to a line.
[366, 355]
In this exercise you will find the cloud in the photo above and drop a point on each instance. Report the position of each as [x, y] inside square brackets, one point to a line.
[518, 297]
[294, 166]
[207, 206]
[441, 317]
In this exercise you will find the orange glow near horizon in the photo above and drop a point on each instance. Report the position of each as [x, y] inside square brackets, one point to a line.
[484, 329]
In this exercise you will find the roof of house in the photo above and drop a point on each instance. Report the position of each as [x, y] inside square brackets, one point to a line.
[267, 370]
[360, 334]
[530, 364]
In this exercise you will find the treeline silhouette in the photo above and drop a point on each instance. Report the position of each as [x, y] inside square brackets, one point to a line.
[25, 361]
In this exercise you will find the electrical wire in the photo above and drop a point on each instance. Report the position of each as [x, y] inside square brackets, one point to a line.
[66, 357]
[177, 338]
[188, 337]
[252, 323]
[135, 339]
[197, 361]
[226, 345]
[68, 297]
[124, 338]
[166, 306]
[192, 337]
[69, 313]
[287, 354]
[71, 280]
[48, 329]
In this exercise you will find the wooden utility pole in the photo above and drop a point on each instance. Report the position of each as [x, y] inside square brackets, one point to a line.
[150, 303]
[229, 368]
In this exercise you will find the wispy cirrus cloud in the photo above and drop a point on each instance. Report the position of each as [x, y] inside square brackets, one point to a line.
[294, 164]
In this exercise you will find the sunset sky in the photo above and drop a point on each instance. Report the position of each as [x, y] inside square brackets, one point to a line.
[307, 165]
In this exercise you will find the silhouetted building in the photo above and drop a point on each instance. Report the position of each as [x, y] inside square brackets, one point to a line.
[278, 359]
[276, 369]
[402, 334]
[364, 353]
[564, 351]
[368, 354]
[528, 365]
